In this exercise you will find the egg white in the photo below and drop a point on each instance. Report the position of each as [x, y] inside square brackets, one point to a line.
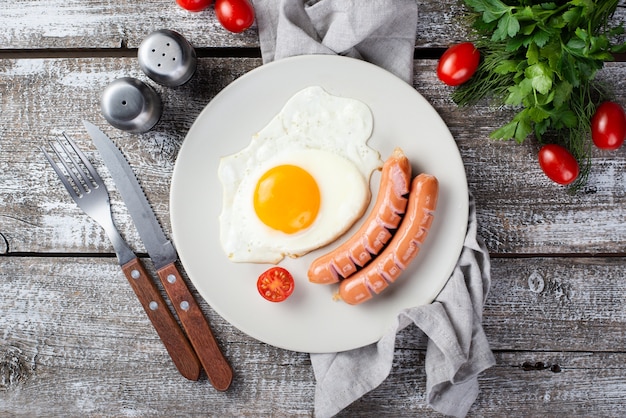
[327, 136]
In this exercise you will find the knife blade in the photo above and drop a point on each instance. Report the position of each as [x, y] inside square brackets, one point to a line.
[164, 258]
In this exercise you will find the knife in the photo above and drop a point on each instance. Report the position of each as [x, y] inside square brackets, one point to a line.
[164, 258]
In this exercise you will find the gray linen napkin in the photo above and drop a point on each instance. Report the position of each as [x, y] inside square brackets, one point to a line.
[383, 32]
[379, 31]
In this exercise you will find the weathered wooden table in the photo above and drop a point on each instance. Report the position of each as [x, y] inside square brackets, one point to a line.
[75, 342]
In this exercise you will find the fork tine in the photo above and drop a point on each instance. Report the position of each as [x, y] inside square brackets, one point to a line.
[61, 174]
[92, 171]
[72, 168]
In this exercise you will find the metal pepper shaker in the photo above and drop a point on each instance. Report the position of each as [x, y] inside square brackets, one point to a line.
[167, 58]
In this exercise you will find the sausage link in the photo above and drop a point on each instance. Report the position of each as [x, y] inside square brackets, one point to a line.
[374, 233]
[403, 247]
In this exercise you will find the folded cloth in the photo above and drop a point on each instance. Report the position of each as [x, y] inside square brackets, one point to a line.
[379, 31]
[383, 32]
[456, 353]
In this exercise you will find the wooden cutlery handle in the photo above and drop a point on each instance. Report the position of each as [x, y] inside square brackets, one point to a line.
[197, 328]
[175, 341]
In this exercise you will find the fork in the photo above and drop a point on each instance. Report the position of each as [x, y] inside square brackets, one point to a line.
[86, 187]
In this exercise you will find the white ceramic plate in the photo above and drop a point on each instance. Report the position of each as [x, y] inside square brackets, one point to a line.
[310, 320]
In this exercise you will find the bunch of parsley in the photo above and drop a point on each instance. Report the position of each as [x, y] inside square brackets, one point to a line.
[541, 58]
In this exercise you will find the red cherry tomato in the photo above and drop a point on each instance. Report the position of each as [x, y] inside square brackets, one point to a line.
[458, 64]
[275, 284]
[194, 5]
[558, 164]
[608, 126]
[235, 15]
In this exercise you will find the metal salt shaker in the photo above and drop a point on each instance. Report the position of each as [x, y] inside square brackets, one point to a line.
[131, 105]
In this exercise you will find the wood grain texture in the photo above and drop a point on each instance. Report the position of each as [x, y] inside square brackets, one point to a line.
[522, 384]
[520, 210]
[558, 350]
[37, 216]
[74, 24]
[72, 88]
[75, 341]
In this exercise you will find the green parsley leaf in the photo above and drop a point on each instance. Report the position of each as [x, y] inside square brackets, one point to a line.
[508, 26]
[506, 66]
[541, 58]
[540, 76]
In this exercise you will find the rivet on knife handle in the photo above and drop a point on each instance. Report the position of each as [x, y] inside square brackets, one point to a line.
[174, 340]
[197, 328]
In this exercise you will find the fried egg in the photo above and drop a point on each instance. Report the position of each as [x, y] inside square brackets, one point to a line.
[302, 181]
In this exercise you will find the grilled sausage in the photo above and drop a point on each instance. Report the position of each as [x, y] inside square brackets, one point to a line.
[403, 247]
[375, 231]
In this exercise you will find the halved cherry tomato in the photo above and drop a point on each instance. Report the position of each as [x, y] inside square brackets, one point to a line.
[458, 64]
[194, 5]
[608, 126]
[235, 15]
[558, 164]
[275, 284]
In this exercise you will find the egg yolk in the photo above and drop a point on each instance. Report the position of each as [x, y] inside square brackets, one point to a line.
[287, 198]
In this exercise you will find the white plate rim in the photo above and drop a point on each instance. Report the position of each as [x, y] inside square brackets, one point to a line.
[258, 95]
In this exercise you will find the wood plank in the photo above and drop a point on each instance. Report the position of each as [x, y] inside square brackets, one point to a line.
[575, 304]
[74, 341]
[519, 210]
[522, 384]
[53, 222]
[544, 304]
[104, 24]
